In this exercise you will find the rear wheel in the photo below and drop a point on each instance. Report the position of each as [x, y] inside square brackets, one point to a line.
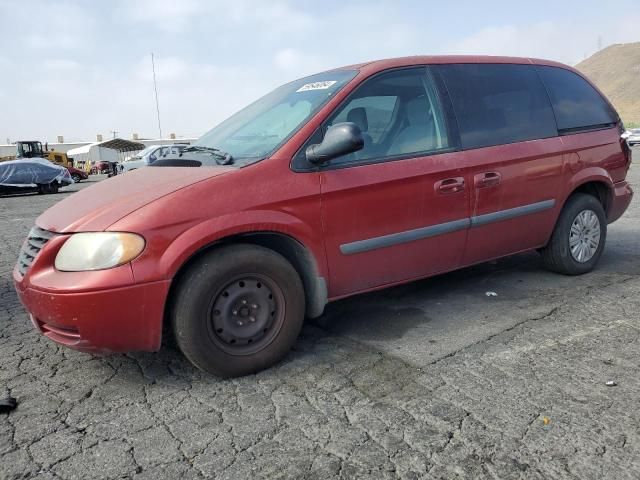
[47, 188]
[578, 240]
[76, 178]
[238, 310]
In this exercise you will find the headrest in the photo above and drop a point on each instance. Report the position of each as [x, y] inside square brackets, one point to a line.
[418, 111]
[359, 117]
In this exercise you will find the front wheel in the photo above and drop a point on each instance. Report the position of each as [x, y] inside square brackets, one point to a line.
[578, 239]
[76, 178]
[238, 310]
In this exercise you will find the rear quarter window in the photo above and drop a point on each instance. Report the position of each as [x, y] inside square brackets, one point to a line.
[498, 104]
[577, 105]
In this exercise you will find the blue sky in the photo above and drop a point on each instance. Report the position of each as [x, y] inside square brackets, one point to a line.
[78, 68]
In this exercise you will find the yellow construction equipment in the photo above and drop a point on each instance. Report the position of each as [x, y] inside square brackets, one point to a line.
[33, 149]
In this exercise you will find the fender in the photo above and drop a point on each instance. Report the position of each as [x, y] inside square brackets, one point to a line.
[212, 230]
[580, 177]
[589, 174]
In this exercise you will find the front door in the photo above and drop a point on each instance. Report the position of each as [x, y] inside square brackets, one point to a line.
[397, 209]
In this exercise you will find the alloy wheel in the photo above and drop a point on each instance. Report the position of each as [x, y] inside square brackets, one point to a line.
[584, 236]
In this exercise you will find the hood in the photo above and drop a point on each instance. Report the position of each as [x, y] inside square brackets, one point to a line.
[97, 207]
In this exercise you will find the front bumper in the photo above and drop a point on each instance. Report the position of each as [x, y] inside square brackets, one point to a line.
[115, 320]
[101, 311]
[620, 200]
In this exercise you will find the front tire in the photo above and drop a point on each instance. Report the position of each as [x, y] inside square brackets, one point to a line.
[238, 310]
[579, 237]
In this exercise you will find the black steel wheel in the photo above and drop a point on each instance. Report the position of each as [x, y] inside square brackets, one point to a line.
[237, 310]
[247, 314]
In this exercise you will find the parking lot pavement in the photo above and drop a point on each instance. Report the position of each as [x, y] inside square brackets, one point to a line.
[429, 380]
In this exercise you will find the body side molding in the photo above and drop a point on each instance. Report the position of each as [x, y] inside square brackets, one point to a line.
[501, 215]
[360, 246]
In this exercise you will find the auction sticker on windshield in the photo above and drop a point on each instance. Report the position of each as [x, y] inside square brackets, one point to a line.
[316, 86]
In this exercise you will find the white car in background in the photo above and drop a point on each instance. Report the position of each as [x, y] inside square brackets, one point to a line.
[632, 136]
[149, 155]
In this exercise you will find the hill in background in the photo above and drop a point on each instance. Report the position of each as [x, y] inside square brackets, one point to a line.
[616, 71]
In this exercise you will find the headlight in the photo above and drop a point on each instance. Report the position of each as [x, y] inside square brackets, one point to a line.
[97, 251]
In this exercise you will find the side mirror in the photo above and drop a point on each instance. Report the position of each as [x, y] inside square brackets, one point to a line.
[340, 139]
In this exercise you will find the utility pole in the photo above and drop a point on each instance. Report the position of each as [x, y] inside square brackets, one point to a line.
[155, 87]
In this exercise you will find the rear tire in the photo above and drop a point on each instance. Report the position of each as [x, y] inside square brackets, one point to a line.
[76, 178]
[238, 310]
[579, 237]
[48, 188]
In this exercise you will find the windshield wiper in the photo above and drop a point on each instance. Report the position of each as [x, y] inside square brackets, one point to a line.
[222, 158]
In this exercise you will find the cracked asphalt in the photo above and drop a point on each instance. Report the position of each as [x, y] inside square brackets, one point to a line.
[434, 379]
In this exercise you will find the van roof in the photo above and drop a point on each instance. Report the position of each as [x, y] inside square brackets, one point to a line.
[383, 64]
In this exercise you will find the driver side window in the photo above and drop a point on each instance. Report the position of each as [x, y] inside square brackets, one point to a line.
[399, 114]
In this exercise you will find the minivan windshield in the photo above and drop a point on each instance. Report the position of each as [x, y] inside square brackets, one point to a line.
[141, 153]
[257, 130]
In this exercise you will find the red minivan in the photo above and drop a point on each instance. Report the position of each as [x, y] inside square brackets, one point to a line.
[343, 182]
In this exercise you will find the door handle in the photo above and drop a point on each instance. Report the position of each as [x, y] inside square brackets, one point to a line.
[450, 185]
[487, 179]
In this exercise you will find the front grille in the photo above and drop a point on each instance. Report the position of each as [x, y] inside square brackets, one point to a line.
[35, 241]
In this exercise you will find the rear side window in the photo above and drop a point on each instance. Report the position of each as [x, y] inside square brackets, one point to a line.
[498, 103]
[577, 104]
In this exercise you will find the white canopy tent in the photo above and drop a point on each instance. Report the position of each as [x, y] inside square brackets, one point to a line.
[114, 150]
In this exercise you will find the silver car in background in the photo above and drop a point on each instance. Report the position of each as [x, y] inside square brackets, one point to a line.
[632, 136]
[149, 155]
